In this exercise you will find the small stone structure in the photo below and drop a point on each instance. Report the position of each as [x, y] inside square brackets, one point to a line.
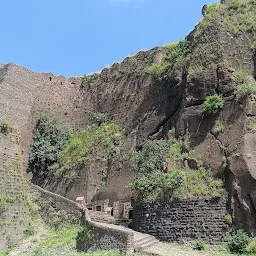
[98, 206]
[182, 220]
[120, 209]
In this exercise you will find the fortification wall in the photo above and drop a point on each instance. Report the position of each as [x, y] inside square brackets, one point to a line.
[109, 237]
[182, 220]
[57, 210]
[13, 192]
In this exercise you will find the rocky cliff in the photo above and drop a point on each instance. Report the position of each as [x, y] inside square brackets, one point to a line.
[149, 95]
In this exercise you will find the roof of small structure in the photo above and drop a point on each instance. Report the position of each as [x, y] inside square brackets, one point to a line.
[108, 209]
[80, 198]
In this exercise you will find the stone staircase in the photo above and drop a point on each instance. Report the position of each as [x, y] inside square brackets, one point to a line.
[143, 242]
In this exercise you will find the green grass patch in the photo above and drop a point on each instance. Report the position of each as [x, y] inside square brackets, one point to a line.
[84, 147]
[199, 184]
[245, 89]
[175, 56]
[208, 20]
[240, 76]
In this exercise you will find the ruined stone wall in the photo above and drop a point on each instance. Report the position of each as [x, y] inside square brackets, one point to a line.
[14, 216]
[182, 220]
[56, 210]
[111, 237]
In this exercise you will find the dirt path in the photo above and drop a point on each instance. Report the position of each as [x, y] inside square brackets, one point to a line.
[166, 249]
[29, 243]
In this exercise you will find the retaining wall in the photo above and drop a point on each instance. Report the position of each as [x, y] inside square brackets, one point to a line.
[182, 220]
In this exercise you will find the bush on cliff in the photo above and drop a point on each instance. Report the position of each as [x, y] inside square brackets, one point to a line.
[199, 184]
[161, 173]
[50, 135]
[245, 89]
[152, 182]
[102, 141]
[175, 56]
[212, 105]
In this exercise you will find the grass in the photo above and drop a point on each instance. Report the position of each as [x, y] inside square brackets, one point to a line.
[87, 145]
[4, 252]
[60, 242]
[240, 76]
[245, 89]
[199, 184]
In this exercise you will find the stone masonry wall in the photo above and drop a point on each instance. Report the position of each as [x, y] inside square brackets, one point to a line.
[182, 220]
[111, 237]
[57, 210]
[14, 217]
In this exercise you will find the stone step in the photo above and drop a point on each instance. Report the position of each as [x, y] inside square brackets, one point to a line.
[145, 246]
[144, 242]
[143, 239]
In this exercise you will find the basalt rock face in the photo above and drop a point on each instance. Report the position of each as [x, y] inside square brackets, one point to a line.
[225, 141]
[148, 108]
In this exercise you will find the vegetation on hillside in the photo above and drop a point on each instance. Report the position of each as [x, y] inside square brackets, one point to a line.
[50, 135]
[245, 89]
[212, 105]
[161, 174]
[96, 142]
[175, 56]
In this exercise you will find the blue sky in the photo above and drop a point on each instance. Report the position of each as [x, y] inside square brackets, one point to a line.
[76, 37]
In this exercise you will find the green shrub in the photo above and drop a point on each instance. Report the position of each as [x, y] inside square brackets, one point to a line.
[30, 230]
[50, 136]
[158, 69]
[199, 245]
[5, 127]
[208, 20]
[156, 185]
[240, 76]
[152, 156]
[133, 61]
[199, 184]
[160, 174]
[238, 242]
[212, 105]
[85, 145]
[228, 219]
[5, 252]
[175, 55]
[84, 239]
[151, 182]
[219, 127]
[251, 248]
[245, 89]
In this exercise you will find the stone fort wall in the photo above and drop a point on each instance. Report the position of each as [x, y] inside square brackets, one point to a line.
[182, 220]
